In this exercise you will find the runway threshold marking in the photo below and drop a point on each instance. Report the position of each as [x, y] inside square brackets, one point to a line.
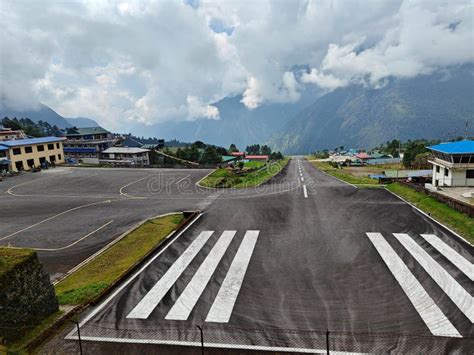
[52, 217]
[429, 312]
[224, 302]
[144, 308]
[305, 191]
[77, 241]
[189, 297]
[452, 255]
[460, 297]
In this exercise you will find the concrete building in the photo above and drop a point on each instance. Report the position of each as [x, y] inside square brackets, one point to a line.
[453, 164]
[85, 145]
[125, 156]
[7, 134]
[23, 154]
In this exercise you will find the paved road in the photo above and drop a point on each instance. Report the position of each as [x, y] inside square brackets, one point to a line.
[274, 268]
[68, 214]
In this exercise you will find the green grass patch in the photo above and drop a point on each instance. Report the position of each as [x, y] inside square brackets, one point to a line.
[460, 222]
[343, 175]
[226, 178]
[19, 347]
[253, 165]
[11, 257]
[93, 278]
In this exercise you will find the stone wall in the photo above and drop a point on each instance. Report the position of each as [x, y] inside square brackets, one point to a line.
[26, 296]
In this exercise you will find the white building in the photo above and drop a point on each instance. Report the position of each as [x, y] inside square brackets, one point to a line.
[125, 156]
[453, 164]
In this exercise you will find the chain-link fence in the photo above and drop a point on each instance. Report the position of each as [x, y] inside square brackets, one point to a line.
[224, 339]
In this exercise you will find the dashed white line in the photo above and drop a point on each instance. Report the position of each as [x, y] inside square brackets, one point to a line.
[189, 297]
[148, 303]
[223, 305]
[448, 284]
[305, 191]
[302, 178]
[429, 312]
[452, 255]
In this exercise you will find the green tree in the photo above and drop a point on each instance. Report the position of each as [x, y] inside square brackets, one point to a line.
[210, 156]
[233, 148]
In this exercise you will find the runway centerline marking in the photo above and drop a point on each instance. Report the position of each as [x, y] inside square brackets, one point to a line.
[305, 191]
[148, 303]
[77, 241]
[221, 309]
[448, 284]
[55, 216]
[452, 255]
[429, 312]
[189, 297]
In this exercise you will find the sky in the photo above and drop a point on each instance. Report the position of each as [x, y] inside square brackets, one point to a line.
[141, 63]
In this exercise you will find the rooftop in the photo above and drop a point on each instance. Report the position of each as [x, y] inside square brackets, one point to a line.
[125, 150]
[460, 147]
[87, 131]
[30, 141]
[256, 157]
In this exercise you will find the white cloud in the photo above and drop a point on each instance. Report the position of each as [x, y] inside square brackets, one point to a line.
[132, 62]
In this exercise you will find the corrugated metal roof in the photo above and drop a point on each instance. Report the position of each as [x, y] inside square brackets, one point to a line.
[226, 158]
[3, 147]
[85, 131]
[256, 157]
[124, 150]
[31, 141]
[461, 147]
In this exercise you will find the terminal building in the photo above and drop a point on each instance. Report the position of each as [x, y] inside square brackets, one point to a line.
[85, 145]
[453, 164]
[23, 154]
[125, 156]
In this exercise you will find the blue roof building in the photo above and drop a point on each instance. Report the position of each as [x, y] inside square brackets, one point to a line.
[453, 163]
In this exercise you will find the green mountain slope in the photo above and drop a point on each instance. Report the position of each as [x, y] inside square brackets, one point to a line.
[430, 106]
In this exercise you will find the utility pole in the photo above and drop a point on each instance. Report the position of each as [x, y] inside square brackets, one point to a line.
[78, 335]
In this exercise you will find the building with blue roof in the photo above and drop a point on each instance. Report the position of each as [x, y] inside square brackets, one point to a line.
[24, 154]
[453, 163]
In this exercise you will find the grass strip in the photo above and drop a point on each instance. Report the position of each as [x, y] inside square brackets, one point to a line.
[226, 178]
[460, 222]
[93, 278]
[344, 176]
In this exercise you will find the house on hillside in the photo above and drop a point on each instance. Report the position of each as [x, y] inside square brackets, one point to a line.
[453, 164]
[7, 134]
[363, 157]
[238, 155]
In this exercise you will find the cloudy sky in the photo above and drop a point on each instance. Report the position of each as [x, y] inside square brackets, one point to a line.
[126, 63]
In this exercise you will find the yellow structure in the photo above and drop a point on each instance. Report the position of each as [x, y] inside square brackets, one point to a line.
[23, 154]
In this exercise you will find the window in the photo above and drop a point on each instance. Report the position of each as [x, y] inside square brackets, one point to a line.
[59, 157]
[30, 162]
[470, 174]
[57, 145]
[16, 151]
[40, 148]
[50, 146]
[28, 150]
[52, 158]
[437, 168]
[446, 172]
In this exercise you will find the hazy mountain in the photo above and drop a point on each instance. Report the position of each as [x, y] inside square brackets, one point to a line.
[43, 113]
[46, 114]
[81, 122]
[237, 124]
[429, 106]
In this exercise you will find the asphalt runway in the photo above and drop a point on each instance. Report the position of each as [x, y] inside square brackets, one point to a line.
[68, 214]
[274, 268]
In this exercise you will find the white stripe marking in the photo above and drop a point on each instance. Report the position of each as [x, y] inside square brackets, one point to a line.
[148, 303]
[429, 312]
[188, 298]
[448, 284]
[305, 191]
[302, 179]
[223, 305]
[452, 255]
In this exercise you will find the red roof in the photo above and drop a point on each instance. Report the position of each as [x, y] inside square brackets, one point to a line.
[238, 154]
[257, 157]
[363, 156]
